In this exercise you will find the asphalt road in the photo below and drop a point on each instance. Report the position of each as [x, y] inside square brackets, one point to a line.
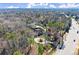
[70, 41]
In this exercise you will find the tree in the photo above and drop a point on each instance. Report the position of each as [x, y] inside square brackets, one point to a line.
[58, 25]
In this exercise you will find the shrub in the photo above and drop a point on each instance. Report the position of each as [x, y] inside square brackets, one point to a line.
[18, 52]
[10, 35]
[40, 49]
